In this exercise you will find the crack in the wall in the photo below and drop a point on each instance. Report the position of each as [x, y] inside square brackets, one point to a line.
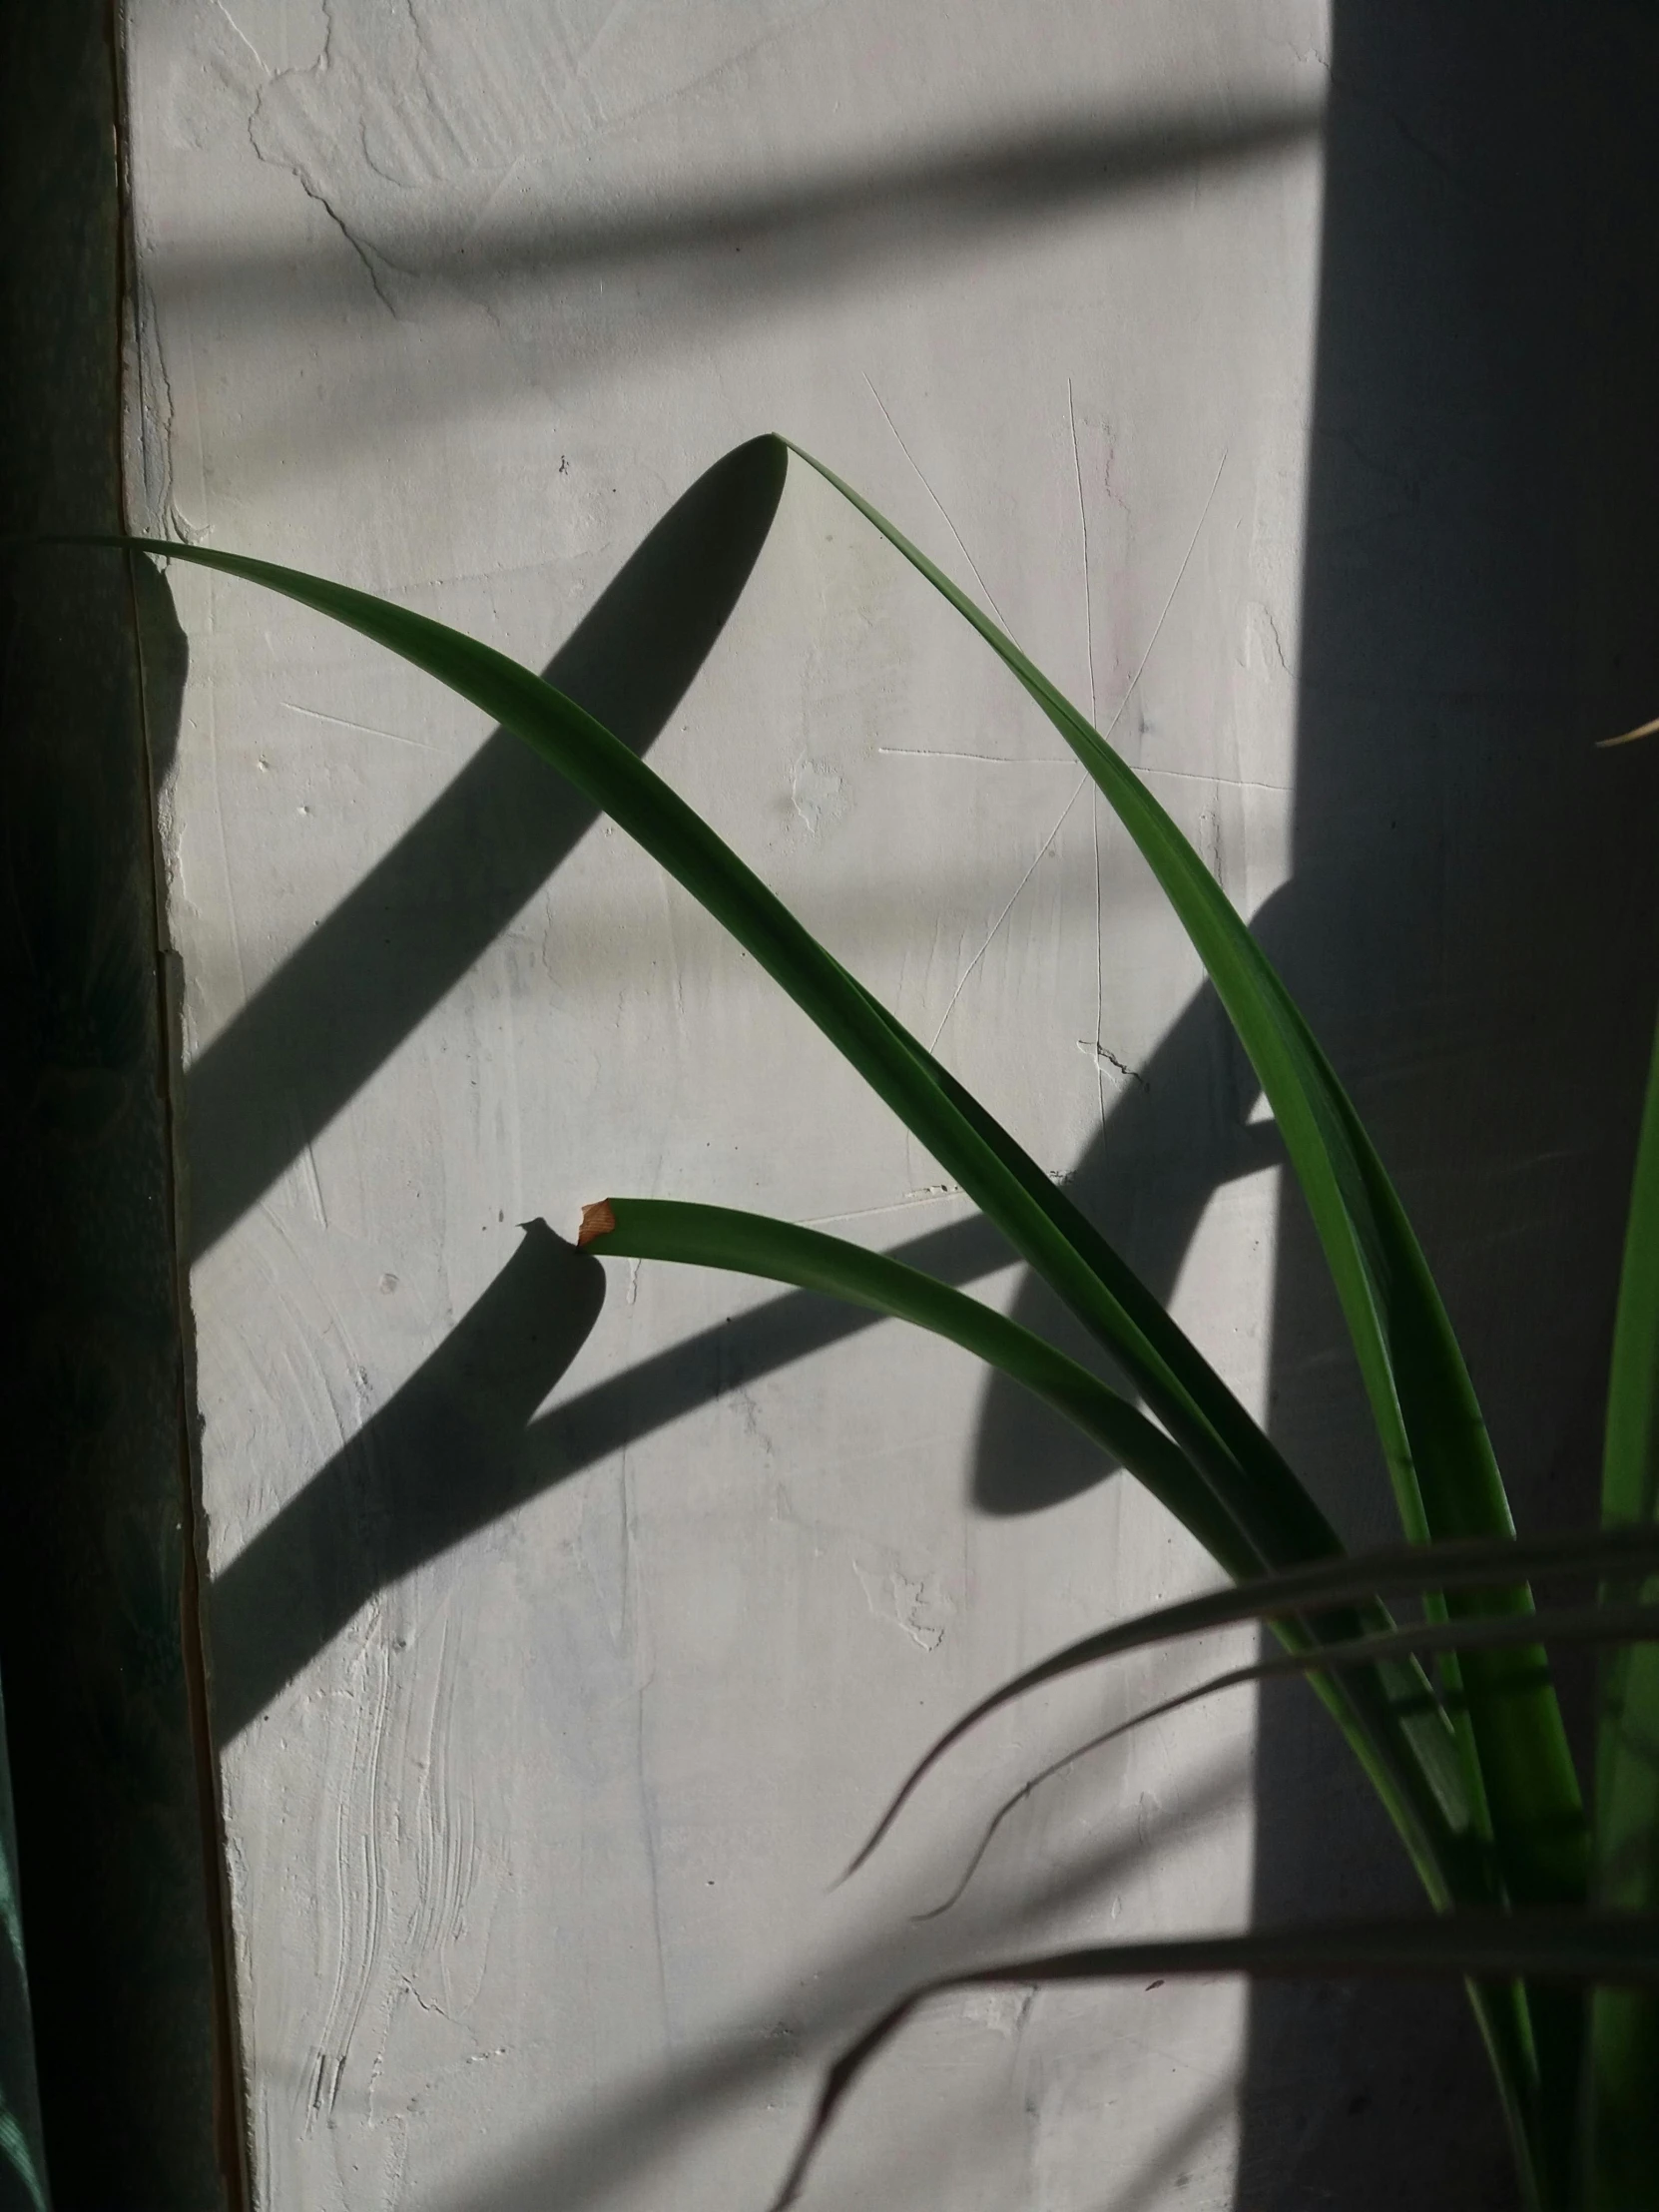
[302, 174]
[313, 191]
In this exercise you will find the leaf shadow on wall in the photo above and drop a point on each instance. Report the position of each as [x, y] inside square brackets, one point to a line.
[650, 273]
[341, 1004]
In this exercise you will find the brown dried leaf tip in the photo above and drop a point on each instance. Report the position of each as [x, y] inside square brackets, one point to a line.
[597, 1220]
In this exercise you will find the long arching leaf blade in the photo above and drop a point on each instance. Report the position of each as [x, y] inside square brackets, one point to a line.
[783, 1251]
[1408, 1763]
[1602, 1623]
[1396, 1570]
[1446, 1479]
[1548, 1946]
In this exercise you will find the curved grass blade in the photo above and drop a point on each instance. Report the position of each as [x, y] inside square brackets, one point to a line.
[1009, 1187]
[1522, 1782]
[1564, 1946]
[1621, 2101]
[1408, 1761]
[757, 1243]
[1433, 1437]
[1411, 1767]
[783, 1251]
[1602, 1623]
[1396, 1570]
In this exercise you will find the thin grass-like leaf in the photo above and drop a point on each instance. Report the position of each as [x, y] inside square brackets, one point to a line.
[1427, 1417]
[757, 1243]
[1394, 1570]
[1410, 1763]
[1606, 1622]
[1622, 2088]
[1552, 1947]
[1524, 1785]
[783, 1251]
[1409, 1759]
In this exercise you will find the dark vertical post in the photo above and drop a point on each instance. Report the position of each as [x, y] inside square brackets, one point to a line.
[99, 1632]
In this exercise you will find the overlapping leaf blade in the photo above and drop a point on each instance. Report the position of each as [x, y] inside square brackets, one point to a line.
[1427, 1417]
[783, 1251]
[1407, 1759]
[1552, 1947]
[1603, 1622]
[1433, 1437]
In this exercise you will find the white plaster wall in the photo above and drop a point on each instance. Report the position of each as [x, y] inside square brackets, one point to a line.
[530, 1866]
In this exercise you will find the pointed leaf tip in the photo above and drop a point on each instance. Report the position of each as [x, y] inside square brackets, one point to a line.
[1628, 736]
[597, 1220]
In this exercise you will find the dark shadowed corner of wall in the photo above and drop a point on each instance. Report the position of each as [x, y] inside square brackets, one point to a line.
[1471, 916]
[99, 1644]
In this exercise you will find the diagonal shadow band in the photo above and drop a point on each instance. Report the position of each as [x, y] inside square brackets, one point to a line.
[613, 286]
[457, 1448]
[638, 2127]
[801, 231]
[312, 1036]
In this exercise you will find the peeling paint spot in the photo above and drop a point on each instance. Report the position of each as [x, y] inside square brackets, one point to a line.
[915, 1604]
[818, 792]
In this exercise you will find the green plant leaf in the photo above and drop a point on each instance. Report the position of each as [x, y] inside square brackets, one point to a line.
[1564, 1946]
[1622, 2090]
[1433, 1437]
[1410, 1762]
[1396, 1570]
[1409, 1759]
[757, 1243]
[782, 1252]
[1522, 1781]
[1603, 1622]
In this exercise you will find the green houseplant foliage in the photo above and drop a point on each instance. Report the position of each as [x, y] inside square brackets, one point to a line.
[1479, 1781]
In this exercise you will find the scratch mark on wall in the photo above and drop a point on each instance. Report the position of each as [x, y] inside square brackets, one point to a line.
[351, 1906]
[911, 1602]
[1216, 782]
[934, 495]
[223, 846]
[1083, 526]
[1094, 795]
[307, 184]
[305, 1162]
[989, 759]
[818, 793]
[1104, 1057]
[961, 981]
[364, 729]
[933, 1193]
[243, 35]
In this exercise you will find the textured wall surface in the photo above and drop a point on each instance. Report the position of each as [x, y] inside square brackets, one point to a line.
[568, 1631]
